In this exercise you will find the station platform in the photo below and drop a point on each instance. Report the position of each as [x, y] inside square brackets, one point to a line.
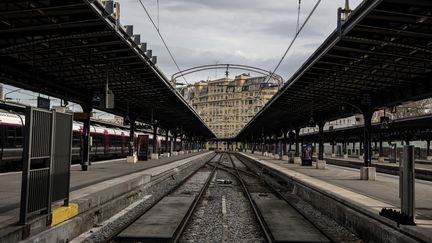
[423, 168]
[101, 175]
[343, 184]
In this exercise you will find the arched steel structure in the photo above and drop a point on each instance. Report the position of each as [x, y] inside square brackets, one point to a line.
[225, 66]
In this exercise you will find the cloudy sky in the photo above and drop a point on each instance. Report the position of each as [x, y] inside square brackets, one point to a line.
[249, 32]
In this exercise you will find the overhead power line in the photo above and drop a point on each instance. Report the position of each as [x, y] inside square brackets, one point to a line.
[161, 37]
[295, 36]
[298, 16]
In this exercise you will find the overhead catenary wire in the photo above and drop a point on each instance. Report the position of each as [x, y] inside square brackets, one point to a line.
[161, 37]
[294, 39]
[298, 16]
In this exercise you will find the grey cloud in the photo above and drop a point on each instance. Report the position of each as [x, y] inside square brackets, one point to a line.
[252, 32]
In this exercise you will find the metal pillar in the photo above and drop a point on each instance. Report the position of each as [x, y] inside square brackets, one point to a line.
[297, 151]
[380, 146]
[268, 145]
[427, 147]
[344, 147]
[131, 137]
[353, 147]
[155, 143]
[333, 147]
[407, 184]
[321, 140]
[171, 150]
[367, 116]
[284, 149]
[85, 155]
[175, 141]
[166, 141]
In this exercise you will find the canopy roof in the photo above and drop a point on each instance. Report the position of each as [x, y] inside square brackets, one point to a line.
[72, 48]
[381, 54]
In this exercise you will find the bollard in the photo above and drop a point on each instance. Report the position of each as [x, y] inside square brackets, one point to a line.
[406, 183]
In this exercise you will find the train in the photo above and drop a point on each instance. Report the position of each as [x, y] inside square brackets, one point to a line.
[107, 141]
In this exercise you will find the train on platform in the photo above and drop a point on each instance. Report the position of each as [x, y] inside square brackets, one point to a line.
[107, 141]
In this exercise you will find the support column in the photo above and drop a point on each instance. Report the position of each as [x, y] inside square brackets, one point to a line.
[166, 141]
[132, 157]
[155, 154]
[375, 146]
[268, 142]
[171, 150]
[344, 149]
[380, 150]
[174, 148]
[253, 145]
[296, 140]
[333, 149]
[367, 172]
[85, 152]
[407, 185]
[181, 143]
[321, 163]
[428, 156]
[284, 149]
[353, 148]
[314, 148]
[167, 153]
[297, 159]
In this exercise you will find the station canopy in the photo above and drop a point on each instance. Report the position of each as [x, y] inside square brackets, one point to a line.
[411, 128]
[72, 49]
[381, 54]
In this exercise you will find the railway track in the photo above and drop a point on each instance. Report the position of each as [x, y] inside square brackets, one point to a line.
[166, 220]
[272, 230]
[225, 201]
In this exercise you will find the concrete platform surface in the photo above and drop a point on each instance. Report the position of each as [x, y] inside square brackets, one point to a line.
[422, 171]
[160, 223]
[419, 164]
[371, 196]
[284, 222]
[10, 183]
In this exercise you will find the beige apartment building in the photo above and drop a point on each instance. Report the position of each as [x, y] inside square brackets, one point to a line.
[226, 105]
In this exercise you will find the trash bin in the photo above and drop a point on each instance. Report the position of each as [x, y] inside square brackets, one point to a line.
[307, 154]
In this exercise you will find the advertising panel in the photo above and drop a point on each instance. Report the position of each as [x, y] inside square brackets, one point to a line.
[307, 154]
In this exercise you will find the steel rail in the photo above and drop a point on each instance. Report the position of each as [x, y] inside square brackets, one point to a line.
[281, 196]
[267, 234]
[118, 231]
[188, 216]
